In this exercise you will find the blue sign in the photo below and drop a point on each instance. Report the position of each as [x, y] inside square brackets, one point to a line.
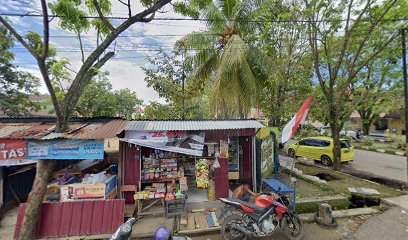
[65, 150]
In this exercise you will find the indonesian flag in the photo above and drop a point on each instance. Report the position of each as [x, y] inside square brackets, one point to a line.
[290, 129]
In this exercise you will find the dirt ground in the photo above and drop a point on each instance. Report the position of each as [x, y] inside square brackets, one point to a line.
[312, 231]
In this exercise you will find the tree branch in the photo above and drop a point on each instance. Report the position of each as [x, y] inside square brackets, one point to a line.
[46, 30]
[72, 99]
[367, 61]
[104, 20]
[368, 34]
[148, 19]
[19, 38]
[81, 47]
[129, 8]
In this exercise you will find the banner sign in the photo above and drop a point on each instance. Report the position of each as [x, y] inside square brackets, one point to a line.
[185, 142]
[65, 150]
[13, 149]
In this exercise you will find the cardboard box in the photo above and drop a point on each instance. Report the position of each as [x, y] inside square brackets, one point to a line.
[105, 190]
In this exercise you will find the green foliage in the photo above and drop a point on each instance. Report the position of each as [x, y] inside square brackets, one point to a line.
[288, 84]
[342, 50]
[15, 85]
[398, 141]
[165, 75]
[223, 58]
[307, 131]
[367, 141]
[99, 100]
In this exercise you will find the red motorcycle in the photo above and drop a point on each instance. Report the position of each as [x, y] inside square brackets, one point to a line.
[261, 218]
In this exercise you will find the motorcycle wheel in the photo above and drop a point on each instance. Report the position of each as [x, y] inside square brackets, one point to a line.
[292, 226]
[227, 232]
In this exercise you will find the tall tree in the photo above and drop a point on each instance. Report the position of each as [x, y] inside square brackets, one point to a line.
[73, 17]
[377, 88]
[222, 53]
[168, 74]
[99, 100]
[341, 37]
[15, 85]
[288, 82]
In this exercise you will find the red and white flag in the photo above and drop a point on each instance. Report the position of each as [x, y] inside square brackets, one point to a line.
[290, 128]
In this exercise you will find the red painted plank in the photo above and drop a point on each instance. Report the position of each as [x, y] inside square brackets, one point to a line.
[76, 219]
[87, 218]
[50, 220]
[107, 217]
[20, 217]
[66, 217]
[96, 226]
[118, 214]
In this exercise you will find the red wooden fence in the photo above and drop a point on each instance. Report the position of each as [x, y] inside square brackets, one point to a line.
[76, 218]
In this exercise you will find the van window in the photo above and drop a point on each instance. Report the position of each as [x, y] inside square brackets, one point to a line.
[345, 144]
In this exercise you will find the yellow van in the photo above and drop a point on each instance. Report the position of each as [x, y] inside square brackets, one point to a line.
[321, 149]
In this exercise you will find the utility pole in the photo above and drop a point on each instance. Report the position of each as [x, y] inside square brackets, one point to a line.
[404, 69]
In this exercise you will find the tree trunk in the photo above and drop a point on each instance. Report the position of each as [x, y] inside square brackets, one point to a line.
[35, 198]
[336, 148]
[366, 127]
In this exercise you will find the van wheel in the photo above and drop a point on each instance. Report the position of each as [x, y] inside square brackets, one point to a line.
[326, 160]
[291, 153]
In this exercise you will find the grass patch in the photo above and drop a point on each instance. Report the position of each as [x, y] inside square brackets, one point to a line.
[386, 147]
[344, 181]
[338, 204]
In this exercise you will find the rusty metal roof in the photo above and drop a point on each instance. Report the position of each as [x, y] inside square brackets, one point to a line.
[192, 125]
[108, 130]
[77, 130]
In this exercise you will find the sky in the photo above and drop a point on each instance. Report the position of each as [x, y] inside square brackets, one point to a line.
[140, 41]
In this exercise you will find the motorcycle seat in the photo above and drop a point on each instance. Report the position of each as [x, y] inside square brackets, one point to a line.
[237, 202]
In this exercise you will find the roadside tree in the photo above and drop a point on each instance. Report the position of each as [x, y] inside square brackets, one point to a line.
[15, 85]
[288, 83]
[169, 74]
[341, 37]
[222, 55]
[72, 16]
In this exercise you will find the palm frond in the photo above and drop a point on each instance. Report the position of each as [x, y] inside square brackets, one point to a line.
[227, 7]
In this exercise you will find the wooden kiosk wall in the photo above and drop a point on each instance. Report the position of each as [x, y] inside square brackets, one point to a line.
[130, 160]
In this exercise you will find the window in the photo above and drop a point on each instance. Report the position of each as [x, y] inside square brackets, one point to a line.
[325, 143]
[345, 144]
[314, 143]
[303, 143]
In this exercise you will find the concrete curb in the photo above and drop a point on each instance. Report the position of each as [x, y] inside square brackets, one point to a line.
[400, 201]
[369, 177]
[365, 148]
[309, 217]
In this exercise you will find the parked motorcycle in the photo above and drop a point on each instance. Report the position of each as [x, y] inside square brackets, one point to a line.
[125, 230]
[261, 218]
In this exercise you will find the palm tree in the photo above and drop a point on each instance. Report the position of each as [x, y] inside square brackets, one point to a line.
[222, 54]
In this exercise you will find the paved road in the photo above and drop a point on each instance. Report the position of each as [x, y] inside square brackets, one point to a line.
[386, 165]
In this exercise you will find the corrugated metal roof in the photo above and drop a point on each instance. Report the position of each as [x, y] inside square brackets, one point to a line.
[34, 132]
[192, 125]
[108, 130]
[77, 130]
[7, 130]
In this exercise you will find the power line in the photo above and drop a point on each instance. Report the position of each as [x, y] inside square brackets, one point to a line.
[198, 19]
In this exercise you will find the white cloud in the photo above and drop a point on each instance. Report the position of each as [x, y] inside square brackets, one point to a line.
[125, 70]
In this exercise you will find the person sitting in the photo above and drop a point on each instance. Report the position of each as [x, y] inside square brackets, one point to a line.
[243, 192]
